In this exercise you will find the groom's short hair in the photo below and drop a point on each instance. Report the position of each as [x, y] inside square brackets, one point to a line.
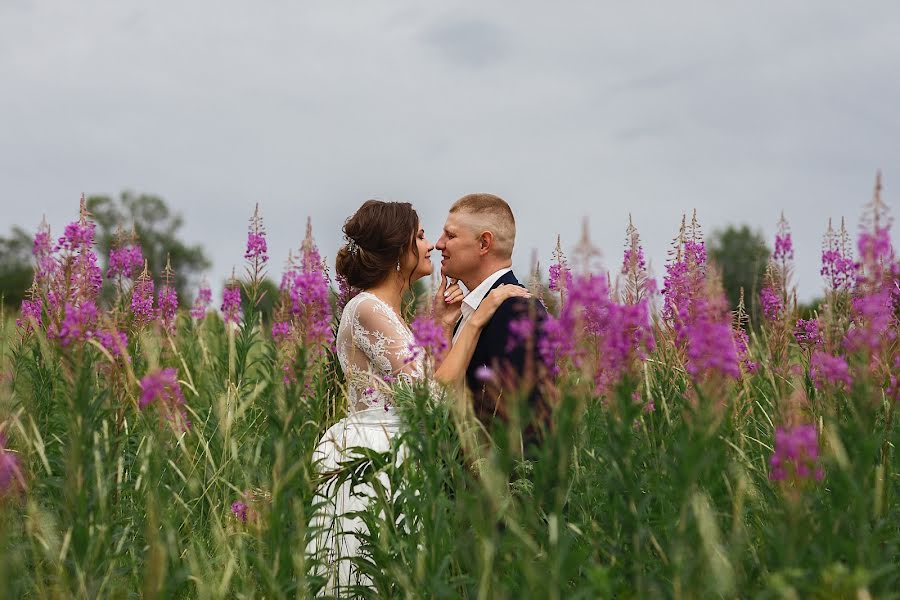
[495, 214]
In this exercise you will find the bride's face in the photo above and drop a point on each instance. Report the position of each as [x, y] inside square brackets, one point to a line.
[422, 267]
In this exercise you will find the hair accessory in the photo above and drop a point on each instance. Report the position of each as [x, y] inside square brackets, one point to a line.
[352, 246]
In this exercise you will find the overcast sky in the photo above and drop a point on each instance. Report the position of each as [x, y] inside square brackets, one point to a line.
[565, 109]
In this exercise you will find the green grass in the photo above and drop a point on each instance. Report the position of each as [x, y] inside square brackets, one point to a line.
[617, 503]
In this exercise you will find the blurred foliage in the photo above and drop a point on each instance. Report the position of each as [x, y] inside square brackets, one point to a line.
[741, 254]
[16, 271]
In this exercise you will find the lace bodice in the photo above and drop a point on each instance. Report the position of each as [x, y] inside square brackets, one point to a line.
[375, 348]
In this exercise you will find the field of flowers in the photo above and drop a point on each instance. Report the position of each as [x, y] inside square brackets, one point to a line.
[163, 452]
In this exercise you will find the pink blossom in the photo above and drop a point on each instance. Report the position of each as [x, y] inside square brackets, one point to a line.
[796, 455]
[429, 336]
[168, 307]
[231, 303]
[162, 387]
[125, 261]
[772, 305]
[10, 471]
[202, 302]
[825, 369]
[142, 299]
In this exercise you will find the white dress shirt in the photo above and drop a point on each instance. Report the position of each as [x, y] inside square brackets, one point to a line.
[473, 299]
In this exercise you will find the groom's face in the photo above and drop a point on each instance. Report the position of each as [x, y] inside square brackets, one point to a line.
[459, 246]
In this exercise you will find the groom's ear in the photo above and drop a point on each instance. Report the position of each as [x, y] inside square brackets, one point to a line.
[486, 242]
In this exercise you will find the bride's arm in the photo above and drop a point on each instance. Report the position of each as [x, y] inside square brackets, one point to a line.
[456, 361]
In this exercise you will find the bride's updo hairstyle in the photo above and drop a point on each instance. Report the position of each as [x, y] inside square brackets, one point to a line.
[376, 237]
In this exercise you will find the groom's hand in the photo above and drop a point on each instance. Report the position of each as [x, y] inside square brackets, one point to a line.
[448, 301]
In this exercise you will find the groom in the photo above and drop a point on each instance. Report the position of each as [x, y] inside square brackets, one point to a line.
[476, 246]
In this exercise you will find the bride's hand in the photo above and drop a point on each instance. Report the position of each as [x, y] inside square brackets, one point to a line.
[448, 301]
[493, 300]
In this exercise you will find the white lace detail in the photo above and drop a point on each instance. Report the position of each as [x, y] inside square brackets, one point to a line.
[375, 348]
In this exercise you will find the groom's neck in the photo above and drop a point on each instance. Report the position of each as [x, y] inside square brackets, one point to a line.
[484, 271]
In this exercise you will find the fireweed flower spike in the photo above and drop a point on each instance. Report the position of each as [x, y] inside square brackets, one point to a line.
[231, 302]
[594, 333]
[637, 283]
[125, 256]
[168, 300]
[78, 324]
[161, 387]
[838, 266]
[796, 455]
[42, 250]
[142, 297]
[807, 333]
[560, 274]
[303, 314]
[429, 337]
[826, 370]
[202, 302]
[10, 471]
[256, 240]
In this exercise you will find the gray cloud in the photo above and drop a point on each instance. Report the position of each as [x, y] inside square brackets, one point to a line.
[564, 109]
[468, 42]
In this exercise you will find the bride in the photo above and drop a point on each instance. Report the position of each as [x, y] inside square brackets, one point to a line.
[386, 251]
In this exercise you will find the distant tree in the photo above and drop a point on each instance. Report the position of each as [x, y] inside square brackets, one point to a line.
[16, 270]
[742, 255]
[157, 230]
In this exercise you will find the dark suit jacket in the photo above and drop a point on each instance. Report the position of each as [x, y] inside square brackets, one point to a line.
[515, 363]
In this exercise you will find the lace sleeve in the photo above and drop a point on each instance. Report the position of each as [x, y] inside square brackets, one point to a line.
[386, 341]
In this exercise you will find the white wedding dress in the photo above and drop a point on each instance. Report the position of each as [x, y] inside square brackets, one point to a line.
[375, 349]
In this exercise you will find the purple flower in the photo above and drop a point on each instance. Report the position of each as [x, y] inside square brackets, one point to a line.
[784, 247]
[560, 277]
[806, 332]
[709, 346]
[239, 510]
[796, 455]
[10, 471]
[838, 266]
[873, 316]
[429, 336]
[684, 279]
[78, 235]
[162, 387]
[594, 332]
[125, 261]
[521, 331]
[742, 346]
[281, 330]
[256, 240]
[231, 303]
[42, 244]
[31, 311]
[114, 341]
[78, 323]
[825, 369]
[772, 305]
[202, 302]
[168, 307]
[142, 299]
[875, 246]
[43, 254]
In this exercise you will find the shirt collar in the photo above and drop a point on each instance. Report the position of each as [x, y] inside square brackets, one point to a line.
[473, 299]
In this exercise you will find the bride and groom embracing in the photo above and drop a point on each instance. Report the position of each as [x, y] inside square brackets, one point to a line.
[385, 252]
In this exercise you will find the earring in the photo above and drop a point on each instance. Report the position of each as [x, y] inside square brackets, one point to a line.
[398, 266]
